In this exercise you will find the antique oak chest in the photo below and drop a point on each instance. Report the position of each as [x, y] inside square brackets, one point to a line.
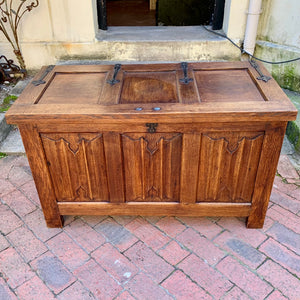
[196, 139]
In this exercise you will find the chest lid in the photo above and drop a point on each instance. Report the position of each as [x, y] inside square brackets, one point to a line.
[193, 90]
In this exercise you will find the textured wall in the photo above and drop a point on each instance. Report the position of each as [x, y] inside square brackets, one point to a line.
[67, 29]
[279, 39]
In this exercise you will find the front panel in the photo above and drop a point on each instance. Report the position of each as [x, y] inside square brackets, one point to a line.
[76, 163]
[228, 166]
[152, 166]
[223, 165]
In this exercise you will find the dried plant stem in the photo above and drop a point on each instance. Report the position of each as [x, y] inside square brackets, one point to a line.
[10, 20]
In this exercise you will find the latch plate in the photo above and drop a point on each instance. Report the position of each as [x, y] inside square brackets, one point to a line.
[151, 127]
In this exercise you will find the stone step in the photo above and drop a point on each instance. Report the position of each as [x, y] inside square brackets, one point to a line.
[4, 128]
[15, 91]
[136, 44]
[13, 144]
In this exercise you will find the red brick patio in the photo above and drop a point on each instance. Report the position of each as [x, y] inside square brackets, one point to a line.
[96, 257]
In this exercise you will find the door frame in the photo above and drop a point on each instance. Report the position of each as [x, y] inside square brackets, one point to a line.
[102, 14]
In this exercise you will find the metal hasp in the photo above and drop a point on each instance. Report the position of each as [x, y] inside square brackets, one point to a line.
[261, 76]
[185, 80]
[8, 69]
[117, 68]
[41, 80]
[151, 127]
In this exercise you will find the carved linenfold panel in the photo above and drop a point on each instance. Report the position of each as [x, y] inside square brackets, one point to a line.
[77, 166]
[73, 143]
[228, 166]
[82, 195]
[233, 140]
[152, 142]
[152, 165]
[152, 192]
[153, 196]
[224, 194]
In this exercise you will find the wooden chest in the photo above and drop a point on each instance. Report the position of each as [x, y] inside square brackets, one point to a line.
[197, 139]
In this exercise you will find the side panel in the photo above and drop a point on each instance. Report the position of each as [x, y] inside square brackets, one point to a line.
[265, 176]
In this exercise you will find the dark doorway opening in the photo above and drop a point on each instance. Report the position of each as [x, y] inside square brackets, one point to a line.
[184, 12]
[160, 13]
[130, 13]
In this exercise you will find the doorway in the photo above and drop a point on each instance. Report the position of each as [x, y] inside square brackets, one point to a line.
[160, 12]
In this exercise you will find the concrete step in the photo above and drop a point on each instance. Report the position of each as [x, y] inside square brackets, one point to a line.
[138, 44]
[15, 91]
[13, 144]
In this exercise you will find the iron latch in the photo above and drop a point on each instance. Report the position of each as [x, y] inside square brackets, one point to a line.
[261, 76]
[41, 80]
[185, 80]
[113, 81]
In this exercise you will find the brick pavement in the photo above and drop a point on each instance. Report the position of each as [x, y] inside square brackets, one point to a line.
[146, 258]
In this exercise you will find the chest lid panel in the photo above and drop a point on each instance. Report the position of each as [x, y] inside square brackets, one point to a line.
[72, 88]
[227, 86]
[226, 91]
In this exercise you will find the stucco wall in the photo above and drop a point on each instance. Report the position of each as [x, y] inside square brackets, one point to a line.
[280, 22]
[67, 29]
[59, 20]
[279, 39]
[52, 28]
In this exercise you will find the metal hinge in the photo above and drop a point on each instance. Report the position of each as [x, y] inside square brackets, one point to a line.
[261, 76]
[113, 81]
[185, 80]
[41, 80]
